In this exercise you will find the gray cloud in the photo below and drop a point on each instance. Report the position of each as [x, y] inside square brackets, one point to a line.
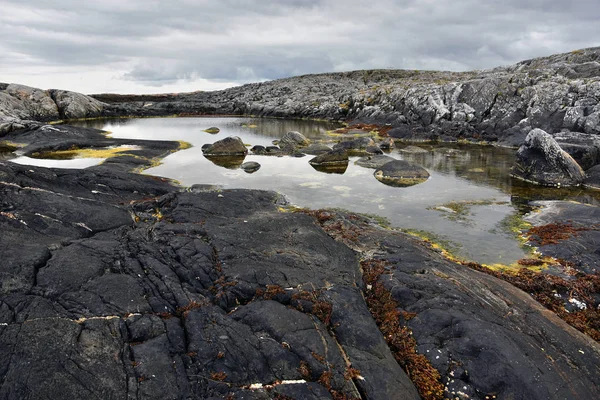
[156, 44]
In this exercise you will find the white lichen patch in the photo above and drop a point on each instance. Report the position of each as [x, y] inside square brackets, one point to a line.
[579, 304]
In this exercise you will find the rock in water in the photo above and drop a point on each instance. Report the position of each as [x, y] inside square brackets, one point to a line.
[212, 129]
[541, 160]
[334, 157]
[250, 167]
[230, 146]
[292, 140]
[401, 173]
[316, 149]
[356, 146]
[334, 161]
[376, 161]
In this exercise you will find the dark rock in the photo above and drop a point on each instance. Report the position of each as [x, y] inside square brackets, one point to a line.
[250, 167]
[374, 150]
[316, 149]
[541, 160]
[592, 179]
[584, 148]
[375, 162]
[400, 132]
[212, 129]
[387, 144]
[469, 325]
[230, 146]
[355, 146]
[258, 149]
[401, 173]
[334, 157]
[578, 248]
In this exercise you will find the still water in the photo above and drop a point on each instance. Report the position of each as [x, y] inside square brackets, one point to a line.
[467, 202]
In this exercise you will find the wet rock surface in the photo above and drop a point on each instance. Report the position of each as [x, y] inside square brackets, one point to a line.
[542, 161]
[569, 231]
[199, 294]
[484, 336]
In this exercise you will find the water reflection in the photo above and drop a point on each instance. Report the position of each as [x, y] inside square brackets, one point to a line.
[475, 177]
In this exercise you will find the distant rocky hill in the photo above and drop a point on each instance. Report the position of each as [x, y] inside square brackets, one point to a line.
[555, 93]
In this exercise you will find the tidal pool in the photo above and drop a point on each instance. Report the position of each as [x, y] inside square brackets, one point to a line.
[468, 202]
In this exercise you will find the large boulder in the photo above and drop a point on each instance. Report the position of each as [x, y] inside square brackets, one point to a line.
[542, 161]
[24, 102]
[583, 147]
[73, 105]
[293, 140]
[401, 173]
[230, 146]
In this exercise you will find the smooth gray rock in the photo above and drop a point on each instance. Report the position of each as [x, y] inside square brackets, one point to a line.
[541, 160]
[230, 146]
[72, 105]
[293, 140]
[375, 161]
[401, 173]
[250, 167]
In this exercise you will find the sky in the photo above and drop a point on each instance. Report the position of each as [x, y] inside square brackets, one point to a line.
[147, 46]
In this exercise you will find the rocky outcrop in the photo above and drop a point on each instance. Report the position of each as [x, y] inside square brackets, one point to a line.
[542, 161]
[24, 107]
[117, 285]
[501, 104]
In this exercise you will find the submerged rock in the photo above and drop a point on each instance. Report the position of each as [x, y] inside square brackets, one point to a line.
[229, 162]
[230, 146]
[376, 161]
[401, 173]
[413, 150]
[250, 167]
[212, 129]
[541, 160]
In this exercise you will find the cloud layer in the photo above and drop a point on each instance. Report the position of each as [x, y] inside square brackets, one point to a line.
[184, 45]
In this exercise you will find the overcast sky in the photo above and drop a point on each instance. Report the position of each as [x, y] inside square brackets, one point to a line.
[146, 46]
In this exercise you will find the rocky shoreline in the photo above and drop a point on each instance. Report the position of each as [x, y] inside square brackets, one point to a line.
[119, 285]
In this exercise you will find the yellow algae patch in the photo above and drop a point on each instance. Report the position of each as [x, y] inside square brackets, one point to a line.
[10, 146]
[84, 153]
[184, 145]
